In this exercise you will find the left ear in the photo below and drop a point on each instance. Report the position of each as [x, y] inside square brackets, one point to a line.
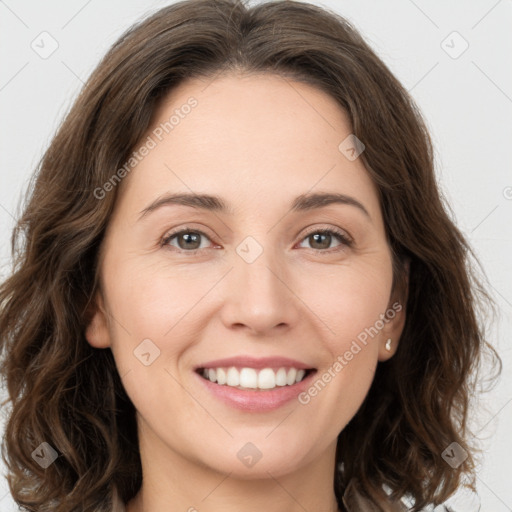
[394, 320]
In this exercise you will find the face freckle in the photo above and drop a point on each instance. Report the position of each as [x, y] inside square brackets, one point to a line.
[272, 272]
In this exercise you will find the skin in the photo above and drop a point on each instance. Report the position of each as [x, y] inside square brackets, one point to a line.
[258, 141]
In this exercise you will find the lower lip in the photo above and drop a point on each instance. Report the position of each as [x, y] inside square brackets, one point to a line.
[256, 400]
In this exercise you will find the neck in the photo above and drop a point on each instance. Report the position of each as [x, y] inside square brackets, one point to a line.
[174, 483]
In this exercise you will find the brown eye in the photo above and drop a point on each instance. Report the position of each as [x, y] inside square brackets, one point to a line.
[187, 240]
[321, 239]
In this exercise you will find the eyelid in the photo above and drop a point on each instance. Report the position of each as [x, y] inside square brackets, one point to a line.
[186, 229]
[331, 229]
[345, 239]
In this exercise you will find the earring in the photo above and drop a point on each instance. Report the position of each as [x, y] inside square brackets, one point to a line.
[388, 345]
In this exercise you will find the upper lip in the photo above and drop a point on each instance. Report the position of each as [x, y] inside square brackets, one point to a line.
[255, 362]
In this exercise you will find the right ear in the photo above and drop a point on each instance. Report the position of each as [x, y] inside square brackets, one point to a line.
[96, 330]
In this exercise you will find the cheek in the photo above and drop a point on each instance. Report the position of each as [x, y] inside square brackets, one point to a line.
[350, 301]
[152, 297]
[155, 323]
[351, 354]
[148, 304]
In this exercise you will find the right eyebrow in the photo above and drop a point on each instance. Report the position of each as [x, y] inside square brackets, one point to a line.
[199, 201]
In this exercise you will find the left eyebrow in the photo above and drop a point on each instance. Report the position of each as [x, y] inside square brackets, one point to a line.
[306, 202]
[303, 202]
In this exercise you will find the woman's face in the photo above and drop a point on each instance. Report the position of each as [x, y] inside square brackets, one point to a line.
[256, 279]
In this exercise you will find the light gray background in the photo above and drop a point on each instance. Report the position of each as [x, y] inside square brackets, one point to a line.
[466, 100]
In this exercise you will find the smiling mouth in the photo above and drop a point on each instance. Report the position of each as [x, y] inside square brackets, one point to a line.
[251, 379]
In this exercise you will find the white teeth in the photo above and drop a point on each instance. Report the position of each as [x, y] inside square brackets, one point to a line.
[300, 375]
[267, 379]
[281, 377]
[233, 378]
[290, 378]
[250, 378]
[221, 376]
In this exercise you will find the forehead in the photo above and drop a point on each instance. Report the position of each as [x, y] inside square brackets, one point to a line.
[254, 138]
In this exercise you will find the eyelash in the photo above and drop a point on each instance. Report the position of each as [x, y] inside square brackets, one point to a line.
[340, 235]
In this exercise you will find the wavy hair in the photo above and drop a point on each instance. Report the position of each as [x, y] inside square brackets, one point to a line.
[68, 394]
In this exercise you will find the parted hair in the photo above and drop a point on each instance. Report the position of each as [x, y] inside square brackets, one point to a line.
[66, 393]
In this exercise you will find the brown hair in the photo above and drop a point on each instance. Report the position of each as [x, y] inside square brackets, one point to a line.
[69, 394]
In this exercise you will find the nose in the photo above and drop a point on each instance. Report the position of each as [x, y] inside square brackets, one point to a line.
[259, 297]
